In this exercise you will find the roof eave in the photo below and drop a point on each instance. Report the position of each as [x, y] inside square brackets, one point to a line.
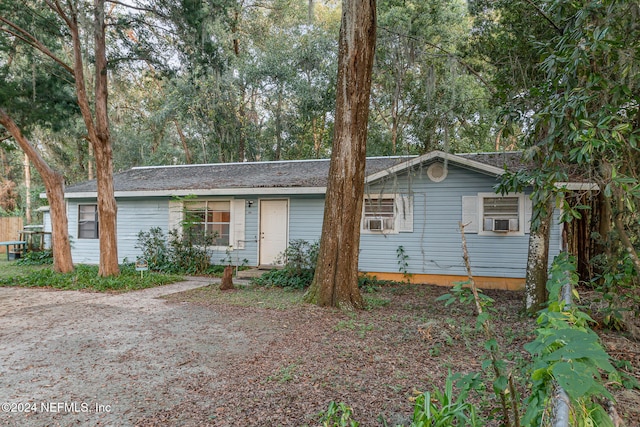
[204, 192]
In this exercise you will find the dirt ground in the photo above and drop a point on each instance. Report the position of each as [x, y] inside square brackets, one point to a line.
[88, 359]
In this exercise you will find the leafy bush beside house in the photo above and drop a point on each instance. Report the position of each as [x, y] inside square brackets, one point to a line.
[175, 253]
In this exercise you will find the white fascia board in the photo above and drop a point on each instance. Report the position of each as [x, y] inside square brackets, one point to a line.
[206, 192]
[492, 170]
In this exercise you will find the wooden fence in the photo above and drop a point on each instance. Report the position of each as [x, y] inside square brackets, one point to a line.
[10, 227]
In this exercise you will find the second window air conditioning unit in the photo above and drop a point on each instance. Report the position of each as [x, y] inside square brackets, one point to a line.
[375, 224]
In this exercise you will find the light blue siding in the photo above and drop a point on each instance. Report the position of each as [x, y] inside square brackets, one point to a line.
[83, 251]
[305, 218]
[134, 215]
[435, 245]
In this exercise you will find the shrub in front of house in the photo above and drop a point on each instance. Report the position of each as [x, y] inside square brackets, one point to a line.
[176, 253]
[298, 266]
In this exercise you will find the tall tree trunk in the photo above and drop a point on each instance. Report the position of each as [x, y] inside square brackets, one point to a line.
[538, 260]
[54, 185]
[107, 207]
[27, 185]
[99, 137]
[187, 153]
[278, 119]
[336, 279]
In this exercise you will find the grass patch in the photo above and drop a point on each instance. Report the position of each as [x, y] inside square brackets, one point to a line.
[284, 374]
[84, 277]
[9, 269]
[244, 296]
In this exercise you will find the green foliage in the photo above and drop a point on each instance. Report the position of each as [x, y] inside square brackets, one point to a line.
[300, 255]
[372, 283]
[284, 374]
[284, 278]
[567, 352]
[86, 277]
[178, 255]
[153, 244]
[616, 281]
[443, 408]
[403, 262]
[337, 415]
[299, 260]
[36, 258]
[188, 256]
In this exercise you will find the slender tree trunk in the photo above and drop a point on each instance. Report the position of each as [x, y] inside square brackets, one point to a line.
[310, 12]
[27, 184]
[538, 260]
[336, 279]
[278, 119]
[54, 185]
[183, 140]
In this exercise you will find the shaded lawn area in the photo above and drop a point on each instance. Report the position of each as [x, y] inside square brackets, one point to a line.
[9, 269]
[84, 277]
[374, 360]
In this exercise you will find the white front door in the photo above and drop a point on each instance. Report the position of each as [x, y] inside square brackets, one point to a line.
[274, 228]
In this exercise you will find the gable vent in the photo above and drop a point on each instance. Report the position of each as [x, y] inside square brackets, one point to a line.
[437, 172]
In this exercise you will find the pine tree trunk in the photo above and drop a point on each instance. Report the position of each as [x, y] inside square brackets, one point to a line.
[336, 279]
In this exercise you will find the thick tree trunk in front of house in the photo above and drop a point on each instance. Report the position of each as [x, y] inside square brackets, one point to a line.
[99, 136]
[54, 185]
[107, 208]
[538, 261]
[336, 279]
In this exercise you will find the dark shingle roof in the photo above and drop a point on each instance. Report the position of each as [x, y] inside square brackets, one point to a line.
[281, 174]
[512, 160]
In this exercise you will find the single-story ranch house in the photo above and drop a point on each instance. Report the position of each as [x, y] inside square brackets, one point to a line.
[413, 206]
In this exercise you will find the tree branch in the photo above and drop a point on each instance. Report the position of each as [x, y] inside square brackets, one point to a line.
[446, 52]
[545, 16]
[22, 34]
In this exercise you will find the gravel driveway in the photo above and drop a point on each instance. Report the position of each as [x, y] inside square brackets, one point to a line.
[80, 358]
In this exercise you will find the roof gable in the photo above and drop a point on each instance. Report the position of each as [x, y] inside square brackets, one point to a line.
[487, 163]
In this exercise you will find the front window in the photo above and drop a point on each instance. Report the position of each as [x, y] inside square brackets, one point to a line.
[379, 214]
[501, 214]
[207, 222]
[88, 222]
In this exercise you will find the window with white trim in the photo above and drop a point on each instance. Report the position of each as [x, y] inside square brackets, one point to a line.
[388, 213]
[501, 214]
[88, 222]
[210, 214]
[207, 221]
[492, 214]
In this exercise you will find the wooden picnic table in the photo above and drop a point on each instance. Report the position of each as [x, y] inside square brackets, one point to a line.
[20, 244]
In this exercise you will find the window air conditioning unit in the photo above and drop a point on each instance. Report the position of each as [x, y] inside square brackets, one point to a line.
[501, 225]
[375, 224]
